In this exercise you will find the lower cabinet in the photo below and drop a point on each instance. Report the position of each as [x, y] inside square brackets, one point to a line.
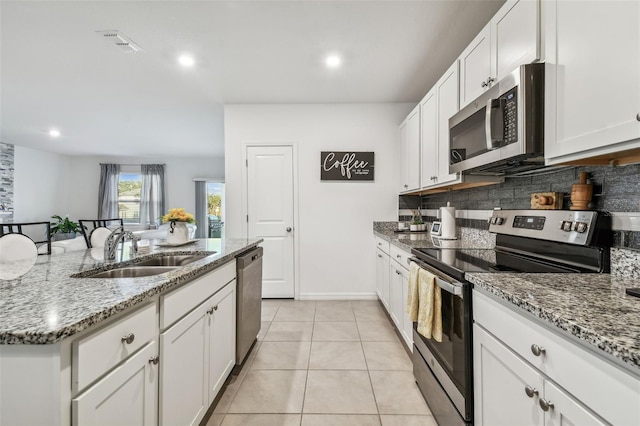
[382, 277]
[197, 354]
[510, 392]
[128, 395]
[526, 372]
[399, 288]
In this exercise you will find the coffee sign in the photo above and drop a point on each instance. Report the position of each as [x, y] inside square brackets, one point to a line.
[339, 165]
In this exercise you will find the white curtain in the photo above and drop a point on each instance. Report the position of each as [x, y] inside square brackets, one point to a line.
[108, 191]
[152, 194]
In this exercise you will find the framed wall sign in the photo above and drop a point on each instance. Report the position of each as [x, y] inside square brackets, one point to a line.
[350, 166]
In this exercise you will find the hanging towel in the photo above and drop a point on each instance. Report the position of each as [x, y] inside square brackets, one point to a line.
[430, 305]
[412, 297]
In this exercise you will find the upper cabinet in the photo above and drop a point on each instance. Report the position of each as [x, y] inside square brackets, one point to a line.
[436, 108]
[510, 39]
[593, 84]
[410, 152]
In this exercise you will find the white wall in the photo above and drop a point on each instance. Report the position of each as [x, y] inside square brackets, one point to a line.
[336, 255]
[84, 177]
[38, 187]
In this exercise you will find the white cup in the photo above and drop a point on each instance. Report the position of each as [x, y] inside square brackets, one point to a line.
[402, 226]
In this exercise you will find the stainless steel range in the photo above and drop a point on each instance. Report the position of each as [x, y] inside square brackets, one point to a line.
[526, 241]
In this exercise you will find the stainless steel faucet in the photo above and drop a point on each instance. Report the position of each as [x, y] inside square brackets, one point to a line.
[114, 238]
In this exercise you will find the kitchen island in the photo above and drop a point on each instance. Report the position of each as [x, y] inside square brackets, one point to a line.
[65, 338]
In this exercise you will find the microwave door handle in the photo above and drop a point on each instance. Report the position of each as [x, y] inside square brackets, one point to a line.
[494, 123]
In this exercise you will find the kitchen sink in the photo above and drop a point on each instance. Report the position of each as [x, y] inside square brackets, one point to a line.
[171, 260]
[132, 272]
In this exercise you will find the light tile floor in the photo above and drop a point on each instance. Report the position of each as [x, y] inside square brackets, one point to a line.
[325, 363]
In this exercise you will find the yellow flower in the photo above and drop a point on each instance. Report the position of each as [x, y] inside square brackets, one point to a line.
[178, 215]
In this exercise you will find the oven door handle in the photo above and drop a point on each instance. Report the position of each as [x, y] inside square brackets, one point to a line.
[454, 288]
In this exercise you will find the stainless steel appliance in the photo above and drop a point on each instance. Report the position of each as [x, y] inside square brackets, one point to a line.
[503, 129]
[248, 301]
[526, 241]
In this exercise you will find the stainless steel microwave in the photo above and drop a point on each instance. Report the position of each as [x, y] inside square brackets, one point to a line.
[503, 129]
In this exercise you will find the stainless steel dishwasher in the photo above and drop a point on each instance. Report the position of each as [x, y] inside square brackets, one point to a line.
[248, 302]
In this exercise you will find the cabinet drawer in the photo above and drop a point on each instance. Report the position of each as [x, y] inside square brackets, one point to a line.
[179, 302]
[98, 352]
[399, 255]
[599, 384]
[382, 244]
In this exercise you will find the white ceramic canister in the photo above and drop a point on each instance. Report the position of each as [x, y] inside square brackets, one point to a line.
[448, 220]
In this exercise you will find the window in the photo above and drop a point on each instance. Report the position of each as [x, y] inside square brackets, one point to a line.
[215, 195]
[129, 186]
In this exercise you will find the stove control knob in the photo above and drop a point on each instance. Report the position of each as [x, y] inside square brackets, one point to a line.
[493, 220]
[580, 227]
[499, 221]
[566, 226]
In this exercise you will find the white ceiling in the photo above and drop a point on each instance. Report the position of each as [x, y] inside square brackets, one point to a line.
[56, 71]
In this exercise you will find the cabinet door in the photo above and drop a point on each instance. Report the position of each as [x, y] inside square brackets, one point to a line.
[515, 36]
[475, 67]
[447, 89]
[500, 379]
[407, 325]
[596, 93]
[382, 277]
[222, 337]
[404, 156]
[429, 139]
[126, 396]
[395, 295]
[413, 149]
[565, 410]
[184, 370]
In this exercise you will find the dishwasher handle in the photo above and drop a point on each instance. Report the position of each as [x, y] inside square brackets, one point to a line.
[247, 258]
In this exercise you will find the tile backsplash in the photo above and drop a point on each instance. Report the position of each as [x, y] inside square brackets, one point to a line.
[615, 189]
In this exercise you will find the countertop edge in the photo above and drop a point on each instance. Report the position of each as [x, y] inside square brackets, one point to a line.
[17, 338]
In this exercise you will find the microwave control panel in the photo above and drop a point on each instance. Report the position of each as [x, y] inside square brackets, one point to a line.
[510, 116]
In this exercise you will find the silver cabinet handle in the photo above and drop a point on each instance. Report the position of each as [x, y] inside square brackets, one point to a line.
[215, 308]
[537, 350]
[638, 116]
[398, 272]
[128, 338]
[154, 360]
[380, 255]
[289, 229]
[484, 84]
[490, 80]
[530, 391]
[406, 186]
[210, 311]
[398, 256]
[545, 405]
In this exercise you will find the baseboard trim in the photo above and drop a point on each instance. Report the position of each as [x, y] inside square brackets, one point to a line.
[338, 296]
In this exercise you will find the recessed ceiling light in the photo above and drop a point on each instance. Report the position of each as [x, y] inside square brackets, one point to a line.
[333, 61]
[54, 133]
[186, 60]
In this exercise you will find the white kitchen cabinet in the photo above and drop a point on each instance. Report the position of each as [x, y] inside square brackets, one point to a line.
[447, 89]
[592, 89]
[510, 39]
[475, 67]
[510, 392]
[399, 284]
[429, 139]
[222, 338]
[382, 277]
[395, 295]
[191, 372]
[410, 151]
[128, 395]
[583, 387]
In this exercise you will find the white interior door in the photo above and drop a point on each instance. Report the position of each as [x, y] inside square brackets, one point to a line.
[270, 215]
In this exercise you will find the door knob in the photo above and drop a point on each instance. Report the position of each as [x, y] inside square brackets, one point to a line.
[289, 229]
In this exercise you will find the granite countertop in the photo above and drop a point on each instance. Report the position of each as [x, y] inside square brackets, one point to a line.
[592, 307]
[47, 304]
[409, 240]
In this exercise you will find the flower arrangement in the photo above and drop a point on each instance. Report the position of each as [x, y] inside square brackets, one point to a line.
[178, 215]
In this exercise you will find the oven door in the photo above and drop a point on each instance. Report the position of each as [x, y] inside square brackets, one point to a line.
[452, 356]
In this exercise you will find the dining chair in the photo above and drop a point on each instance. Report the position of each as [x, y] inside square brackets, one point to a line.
[38, 232]
[95, 224]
